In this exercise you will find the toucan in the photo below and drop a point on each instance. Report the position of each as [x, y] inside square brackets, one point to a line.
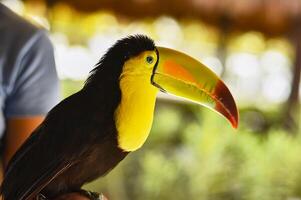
[90, 132]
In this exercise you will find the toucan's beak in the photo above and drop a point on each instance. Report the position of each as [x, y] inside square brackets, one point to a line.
[184, 76]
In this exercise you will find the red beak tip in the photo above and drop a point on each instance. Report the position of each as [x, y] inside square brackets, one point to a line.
[227, 105]
[234, 121]
[235, 125]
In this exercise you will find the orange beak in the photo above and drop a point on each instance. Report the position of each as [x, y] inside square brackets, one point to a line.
[181, 75]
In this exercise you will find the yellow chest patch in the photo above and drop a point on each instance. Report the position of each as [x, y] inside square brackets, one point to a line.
[134, 115]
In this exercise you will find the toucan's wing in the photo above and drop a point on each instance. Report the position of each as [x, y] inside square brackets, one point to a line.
[47, 177]
[49, 151]
[25, 176]
[14, 186]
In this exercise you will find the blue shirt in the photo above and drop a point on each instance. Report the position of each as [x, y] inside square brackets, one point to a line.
[29, 84]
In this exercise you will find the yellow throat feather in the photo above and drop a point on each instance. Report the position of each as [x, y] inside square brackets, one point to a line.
[134, 115]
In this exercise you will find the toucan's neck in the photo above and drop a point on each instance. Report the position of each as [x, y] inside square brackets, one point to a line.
[134, 115]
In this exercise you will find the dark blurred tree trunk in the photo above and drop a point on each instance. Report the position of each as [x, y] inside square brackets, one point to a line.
[292, 108]
[224, 23]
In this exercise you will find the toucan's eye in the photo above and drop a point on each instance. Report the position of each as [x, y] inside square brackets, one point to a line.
[149, 59]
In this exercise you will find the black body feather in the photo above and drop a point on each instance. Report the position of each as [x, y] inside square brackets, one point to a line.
[77, 141]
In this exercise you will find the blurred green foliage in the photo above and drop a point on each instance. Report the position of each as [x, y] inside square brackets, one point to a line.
[192, 153]
[69, 87]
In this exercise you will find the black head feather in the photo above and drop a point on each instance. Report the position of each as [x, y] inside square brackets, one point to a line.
[110, 65]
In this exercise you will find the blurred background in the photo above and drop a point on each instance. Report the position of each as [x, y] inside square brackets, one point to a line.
[254, 45]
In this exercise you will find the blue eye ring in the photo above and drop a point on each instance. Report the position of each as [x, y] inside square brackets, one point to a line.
[149, 59]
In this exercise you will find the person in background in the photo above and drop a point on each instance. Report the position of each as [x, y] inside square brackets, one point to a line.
[29, 84]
